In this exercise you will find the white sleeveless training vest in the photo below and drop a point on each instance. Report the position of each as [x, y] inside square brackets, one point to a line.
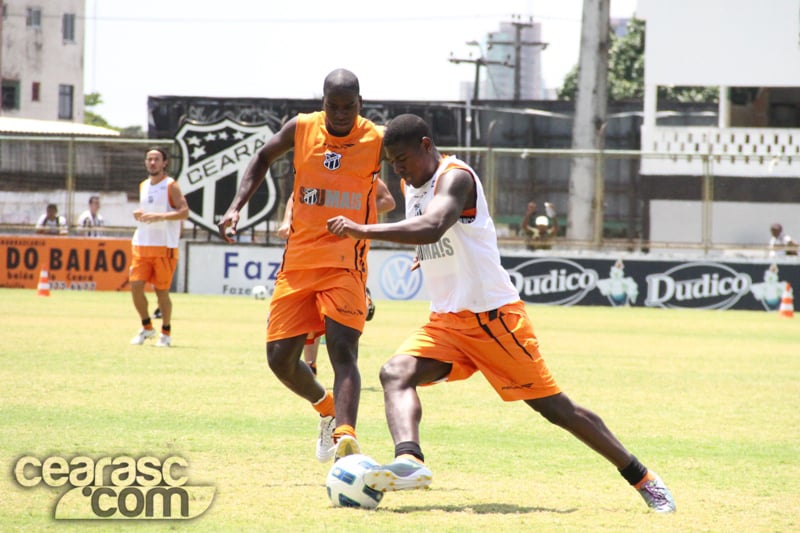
[155, 199]
[461, 271]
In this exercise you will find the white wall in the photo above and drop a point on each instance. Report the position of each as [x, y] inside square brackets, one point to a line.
[26, 208]
[731, 222]
[738, 43]
[233, 270]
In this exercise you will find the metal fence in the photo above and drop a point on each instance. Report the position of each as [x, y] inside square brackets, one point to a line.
[637, 212]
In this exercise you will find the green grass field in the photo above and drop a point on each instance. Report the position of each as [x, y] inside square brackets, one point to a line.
[708, 399]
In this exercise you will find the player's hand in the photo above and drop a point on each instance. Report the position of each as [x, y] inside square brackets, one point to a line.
[148, 218]
[283, 231]
[342, 226]
[550, 209]
[227, 226]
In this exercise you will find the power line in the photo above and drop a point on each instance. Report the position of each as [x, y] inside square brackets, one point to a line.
[262, 20]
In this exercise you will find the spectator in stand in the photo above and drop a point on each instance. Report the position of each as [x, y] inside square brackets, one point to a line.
[51, 223]
[539, 235]
[91, 220]
[781, 244]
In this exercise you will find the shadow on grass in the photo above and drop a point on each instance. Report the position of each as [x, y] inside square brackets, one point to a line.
[481, 508]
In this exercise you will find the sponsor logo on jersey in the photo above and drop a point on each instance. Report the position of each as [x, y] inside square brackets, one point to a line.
[441, 248]
[332, 161]
[331, 198]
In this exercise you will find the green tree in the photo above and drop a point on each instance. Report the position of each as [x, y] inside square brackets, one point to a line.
[626, 73]
[90, 117]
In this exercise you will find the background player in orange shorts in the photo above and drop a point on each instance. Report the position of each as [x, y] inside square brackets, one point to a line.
[477, 323]
[162, 210]
[321, 286]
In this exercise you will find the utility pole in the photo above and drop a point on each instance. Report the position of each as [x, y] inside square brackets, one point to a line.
[518, 43]
[585, 208]
[478, 62]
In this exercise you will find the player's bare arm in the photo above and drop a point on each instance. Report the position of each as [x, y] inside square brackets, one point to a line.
[254, 174]
[283, 229]
[384, 201]
[176, 198]
[455, 192]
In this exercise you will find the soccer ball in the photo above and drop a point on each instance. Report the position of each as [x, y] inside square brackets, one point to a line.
[259, 292]
[345, 483]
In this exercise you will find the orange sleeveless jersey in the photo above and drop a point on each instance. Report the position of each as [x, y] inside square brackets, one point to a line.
[333, 176]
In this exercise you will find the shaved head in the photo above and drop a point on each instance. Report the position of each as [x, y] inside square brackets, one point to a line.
[341, 80]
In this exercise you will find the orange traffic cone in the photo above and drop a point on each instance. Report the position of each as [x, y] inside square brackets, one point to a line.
[44, 284]
[787, 302]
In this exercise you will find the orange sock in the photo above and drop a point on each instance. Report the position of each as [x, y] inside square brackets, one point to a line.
[410, 457]
[647, 477]
[343, 430]
[325, 406]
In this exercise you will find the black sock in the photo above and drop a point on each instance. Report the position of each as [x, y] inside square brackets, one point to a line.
[166, 329]
[634, 472]
[408, 448]
[146, 322]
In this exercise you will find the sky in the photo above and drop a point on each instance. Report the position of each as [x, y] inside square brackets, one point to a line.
[284, 48]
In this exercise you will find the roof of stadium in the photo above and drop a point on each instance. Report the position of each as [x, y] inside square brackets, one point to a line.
[28, 126]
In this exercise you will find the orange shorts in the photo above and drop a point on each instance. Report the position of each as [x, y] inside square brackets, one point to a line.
[500, 343]
[303, 298]
[157, 270]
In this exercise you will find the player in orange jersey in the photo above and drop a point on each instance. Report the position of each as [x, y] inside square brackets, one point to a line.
[384, 203]
[321, 286]
[477, 323]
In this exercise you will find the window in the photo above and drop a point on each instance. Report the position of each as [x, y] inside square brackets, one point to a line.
[33, 17]
[68, 27]
[65, 101]
[36, 89]
[10, 94]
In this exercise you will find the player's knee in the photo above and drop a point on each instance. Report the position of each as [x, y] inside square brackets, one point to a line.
[558, 410]
[279, 362]
[392, 371]
[341, 352]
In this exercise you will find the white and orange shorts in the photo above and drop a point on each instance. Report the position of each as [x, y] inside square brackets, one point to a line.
[500, 344]
[153, 266]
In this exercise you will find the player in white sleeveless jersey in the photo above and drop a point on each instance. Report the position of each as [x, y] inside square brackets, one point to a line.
[162, 209]
[477, 321]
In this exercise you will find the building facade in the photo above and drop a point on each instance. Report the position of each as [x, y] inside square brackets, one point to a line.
[726, 182]
[41, 59]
